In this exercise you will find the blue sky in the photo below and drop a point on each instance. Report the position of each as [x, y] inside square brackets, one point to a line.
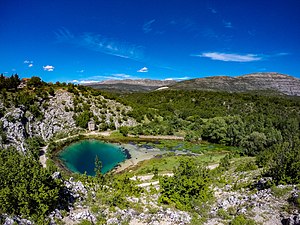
[96, 40]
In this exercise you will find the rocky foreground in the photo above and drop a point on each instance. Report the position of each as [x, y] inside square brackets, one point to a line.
[241, 194]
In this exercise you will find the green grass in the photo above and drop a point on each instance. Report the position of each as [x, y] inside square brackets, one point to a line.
[199, 147]
[281, 191]
[208, 154]
[166, 163]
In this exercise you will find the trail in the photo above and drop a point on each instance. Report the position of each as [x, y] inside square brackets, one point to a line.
[150, 177]
[43, 157]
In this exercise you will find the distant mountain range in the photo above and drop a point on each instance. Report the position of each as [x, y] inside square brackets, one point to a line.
[128, 85]
[268, 81]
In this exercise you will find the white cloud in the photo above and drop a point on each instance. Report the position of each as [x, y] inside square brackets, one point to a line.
[177, 78]
[80, 71]
[143, 70]
[228, 57]
[88, 81]
[29, 63]
[99, 43]
[84, 81]
[121, 75]
[99, 78]
[147, 26]
[48, 68]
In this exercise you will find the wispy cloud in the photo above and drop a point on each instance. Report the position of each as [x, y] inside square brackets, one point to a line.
[212, 10]
[228, 57]
[147, 27]
[143, 70]
[99, 43]
[28, 63]
[84, 81]
[48, 68]
[227, 24]
[177, 78]
[80, 71]
[121, 75]
[99, 78]
[282, 54]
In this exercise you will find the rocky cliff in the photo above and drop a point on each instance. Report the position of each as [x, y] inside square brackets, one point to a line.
[57, 117]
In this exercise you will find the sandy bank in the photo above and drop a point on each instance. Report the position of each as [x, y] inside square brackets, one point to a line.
[138, 154]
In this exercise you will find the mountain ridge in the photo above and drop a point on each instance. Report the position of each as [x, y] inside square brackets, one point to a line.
[260, 81]
[267, 81]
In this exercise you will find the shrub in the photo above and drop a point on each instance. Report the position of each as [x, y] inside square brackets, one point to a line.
[189, 184]
[26, 188]
[246, 167]
[285, 163]
[242, 220]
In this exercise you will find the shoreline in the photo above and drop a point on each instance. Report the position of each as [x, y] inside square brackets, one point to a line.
[138, 154]
[133, 153]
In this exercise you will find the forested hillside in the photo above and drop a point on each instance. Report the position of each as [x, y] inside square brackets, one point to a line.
[258, 124]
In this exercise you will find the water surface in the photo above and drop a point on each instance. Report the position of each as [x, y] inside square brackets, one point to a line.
[80, 156]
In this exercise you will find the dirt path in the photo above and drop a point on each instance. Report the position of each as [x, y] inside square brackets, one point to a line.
[43, 157]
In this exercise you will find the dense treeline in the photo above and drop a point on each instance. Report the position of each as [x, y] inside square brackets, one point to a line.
[252, 121]
[262, 125]
[11, 82]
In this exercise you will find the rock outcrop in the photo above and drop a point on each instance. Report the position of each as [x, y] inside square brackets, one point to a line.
[57, 117]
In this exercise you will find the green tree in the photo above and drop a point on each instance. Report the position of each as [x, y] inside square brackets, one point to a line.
[254, 143]
[215, 130]
[35, 82]
[26, 189]
[82, 119]
[124, 130]
[189, 184]
[285, 162]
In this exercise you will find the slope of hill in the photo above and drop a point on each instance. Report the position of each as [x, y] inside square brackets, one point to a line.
[251, 82]
[53, 110]
[128, 85]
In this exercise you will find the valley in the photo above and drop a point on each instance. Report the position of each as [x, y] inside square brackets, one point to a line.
[197, 156]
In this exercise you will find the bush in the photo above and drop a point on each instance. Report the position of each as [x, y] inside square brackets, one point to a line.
[285, 163]
[189, 184]
[225, 162]
[242, 220]
[82, 119]
[246, 167]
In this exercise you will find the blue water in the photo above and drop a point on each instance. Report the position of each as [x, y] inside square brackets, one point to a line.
[80, 156]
